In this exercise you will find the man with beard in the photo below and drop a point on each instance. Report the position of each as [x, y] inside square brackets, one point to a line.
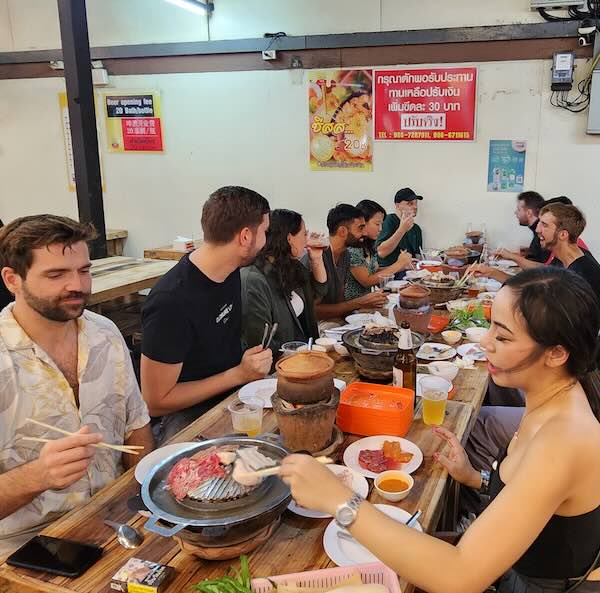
[559, 229]
[192, 324]
[346, 226]
[64, 366]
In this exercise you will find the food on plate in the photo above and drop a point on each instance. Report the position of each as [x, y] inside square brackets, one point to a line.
[189, 473]
[457, 251]
[472, 316]
[390, 456]
[433, 349]
[440, 278]
[393, 485]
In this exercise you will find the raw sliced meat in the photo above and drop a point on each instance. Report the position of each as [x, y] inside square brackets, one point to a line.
[189, 472]
[372, 460]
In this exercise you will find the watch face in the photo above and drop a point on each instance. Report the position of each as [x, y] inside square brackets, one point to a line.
[345, 516]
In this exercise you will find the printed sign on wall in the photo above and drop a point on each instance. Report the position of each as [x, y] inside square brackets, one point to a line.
[425, 104]
[506, 166]
[133, 122]
[340, 120]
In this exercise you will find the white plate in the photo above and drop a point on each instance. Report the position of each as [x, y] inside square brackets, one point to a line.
[158, 455]
[486, 296]
[492, 285]
[478, 356]
[421, 375]
[262, 389]
[503, 263]
[359, 319]
[446, 352]
[359, 485]
[347, 553]
[376, 442]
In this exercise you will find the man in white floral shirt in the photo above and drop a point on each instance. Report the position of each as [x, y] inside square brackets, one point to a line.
[64, 366]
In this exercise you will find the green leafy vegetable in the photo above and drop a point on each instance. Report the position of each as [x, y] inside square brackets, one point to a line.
[463, 319]
[236, 581]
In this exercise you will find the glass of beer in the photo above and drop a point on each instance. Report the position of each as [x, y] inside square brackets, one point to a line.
[247, 415]
[434, 395]
[317, 240]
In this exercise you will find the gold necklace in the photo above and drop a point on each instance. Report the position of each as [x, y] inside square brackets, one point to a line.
[553, 396]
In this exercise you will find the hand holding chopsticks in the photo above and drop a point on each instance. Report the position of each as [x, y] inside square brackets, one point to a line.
[129, 449]
[266, 344]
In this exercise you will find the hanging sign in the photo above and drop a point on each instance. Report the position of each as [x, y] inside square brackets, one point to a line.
[133, 122]
[340, 120]
[506, 166]
[425, 104]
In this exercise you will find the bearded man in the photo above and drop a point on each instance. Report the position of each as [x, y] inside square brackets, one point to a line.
[66, 367]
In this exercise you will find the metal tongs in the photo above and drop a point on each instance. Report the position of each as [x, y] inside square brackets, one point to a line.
[266, 343]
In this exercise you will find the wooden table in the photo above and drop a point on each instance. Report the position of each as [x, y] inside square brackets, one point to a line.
[296, 545]
[114, 277]
[167, 252]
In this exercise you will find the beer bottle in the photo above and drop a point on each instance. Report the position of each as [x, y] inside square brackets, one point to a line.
[405, 363]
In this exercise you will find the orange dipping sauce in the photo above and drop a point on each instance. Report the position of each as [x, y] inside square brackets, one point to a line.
[393, 485]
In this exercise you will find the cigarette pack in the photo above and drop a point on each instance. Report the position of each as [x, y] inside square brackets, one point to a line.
[142, 576]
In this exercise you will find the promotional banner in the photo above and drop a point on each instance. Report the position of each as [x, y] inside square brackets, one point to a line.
[133, 122]
[506, 166]
[341, 120]
[425, 104]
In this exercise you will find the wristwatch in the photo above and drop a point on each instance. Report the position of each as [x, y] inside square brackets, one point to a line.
[347, 512]
[485, 481]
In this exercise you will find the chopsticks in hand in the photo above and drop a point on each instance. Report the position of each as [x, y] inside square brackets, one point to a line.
[469, 272]
[268, 342]
[273, 471]
[129, 449]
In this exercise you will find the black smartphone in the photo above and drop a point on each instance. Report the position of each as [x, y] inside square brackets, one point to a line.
[57, 556]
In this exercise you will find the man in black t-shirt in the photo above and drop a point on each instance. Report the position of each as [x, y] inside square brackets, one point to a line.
[559, 229]
[192, 325]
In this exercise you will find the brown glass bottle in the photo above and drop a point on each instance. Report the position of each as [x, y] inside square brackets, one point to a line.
[405, 363]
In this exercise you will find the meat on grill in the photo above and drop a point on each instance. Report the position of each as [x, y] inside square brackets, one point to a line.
[189, 472]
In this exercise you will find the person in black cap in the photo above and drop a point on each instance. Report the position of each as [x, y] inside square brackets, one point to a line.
[400, 232]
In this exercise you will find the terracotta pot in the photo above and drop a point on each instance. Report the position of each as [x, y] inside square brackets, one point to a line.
[308, 428]
[414, 297]
[305, 378]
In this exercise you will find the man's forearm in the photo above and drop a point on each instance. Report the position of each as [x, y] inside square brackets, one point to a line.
[324, 311]
[18, 487]
[386, 247]
[186, 394]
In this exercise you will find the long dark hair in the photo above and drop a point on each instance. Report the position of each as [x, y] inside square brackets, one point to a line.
[288, 269]
[369, 208]
[560, 309]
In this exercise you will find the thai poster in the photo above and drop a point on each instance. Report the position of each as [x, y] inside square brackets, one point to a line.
[341, 120]
[425, 104]
[133, 122]
[506, 166]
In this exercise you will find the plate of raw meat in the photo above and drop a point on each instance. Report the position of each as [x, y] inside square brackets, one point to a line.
[373, 455]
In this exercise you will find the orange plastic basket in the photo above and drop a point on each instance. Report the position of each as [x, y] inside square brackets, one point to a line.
[368, 409]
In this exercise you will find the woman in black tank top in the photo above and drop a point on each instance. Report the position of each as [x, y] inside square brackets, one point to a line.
[541, 531]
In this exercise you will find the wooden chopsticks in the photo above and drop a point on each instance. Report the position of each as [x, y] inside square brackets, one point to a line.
[466, 276]
[129, 449]
[273, 471]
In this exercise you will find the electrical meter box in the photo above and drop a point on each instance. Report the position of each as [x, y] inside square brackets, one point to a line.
[563, 69]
